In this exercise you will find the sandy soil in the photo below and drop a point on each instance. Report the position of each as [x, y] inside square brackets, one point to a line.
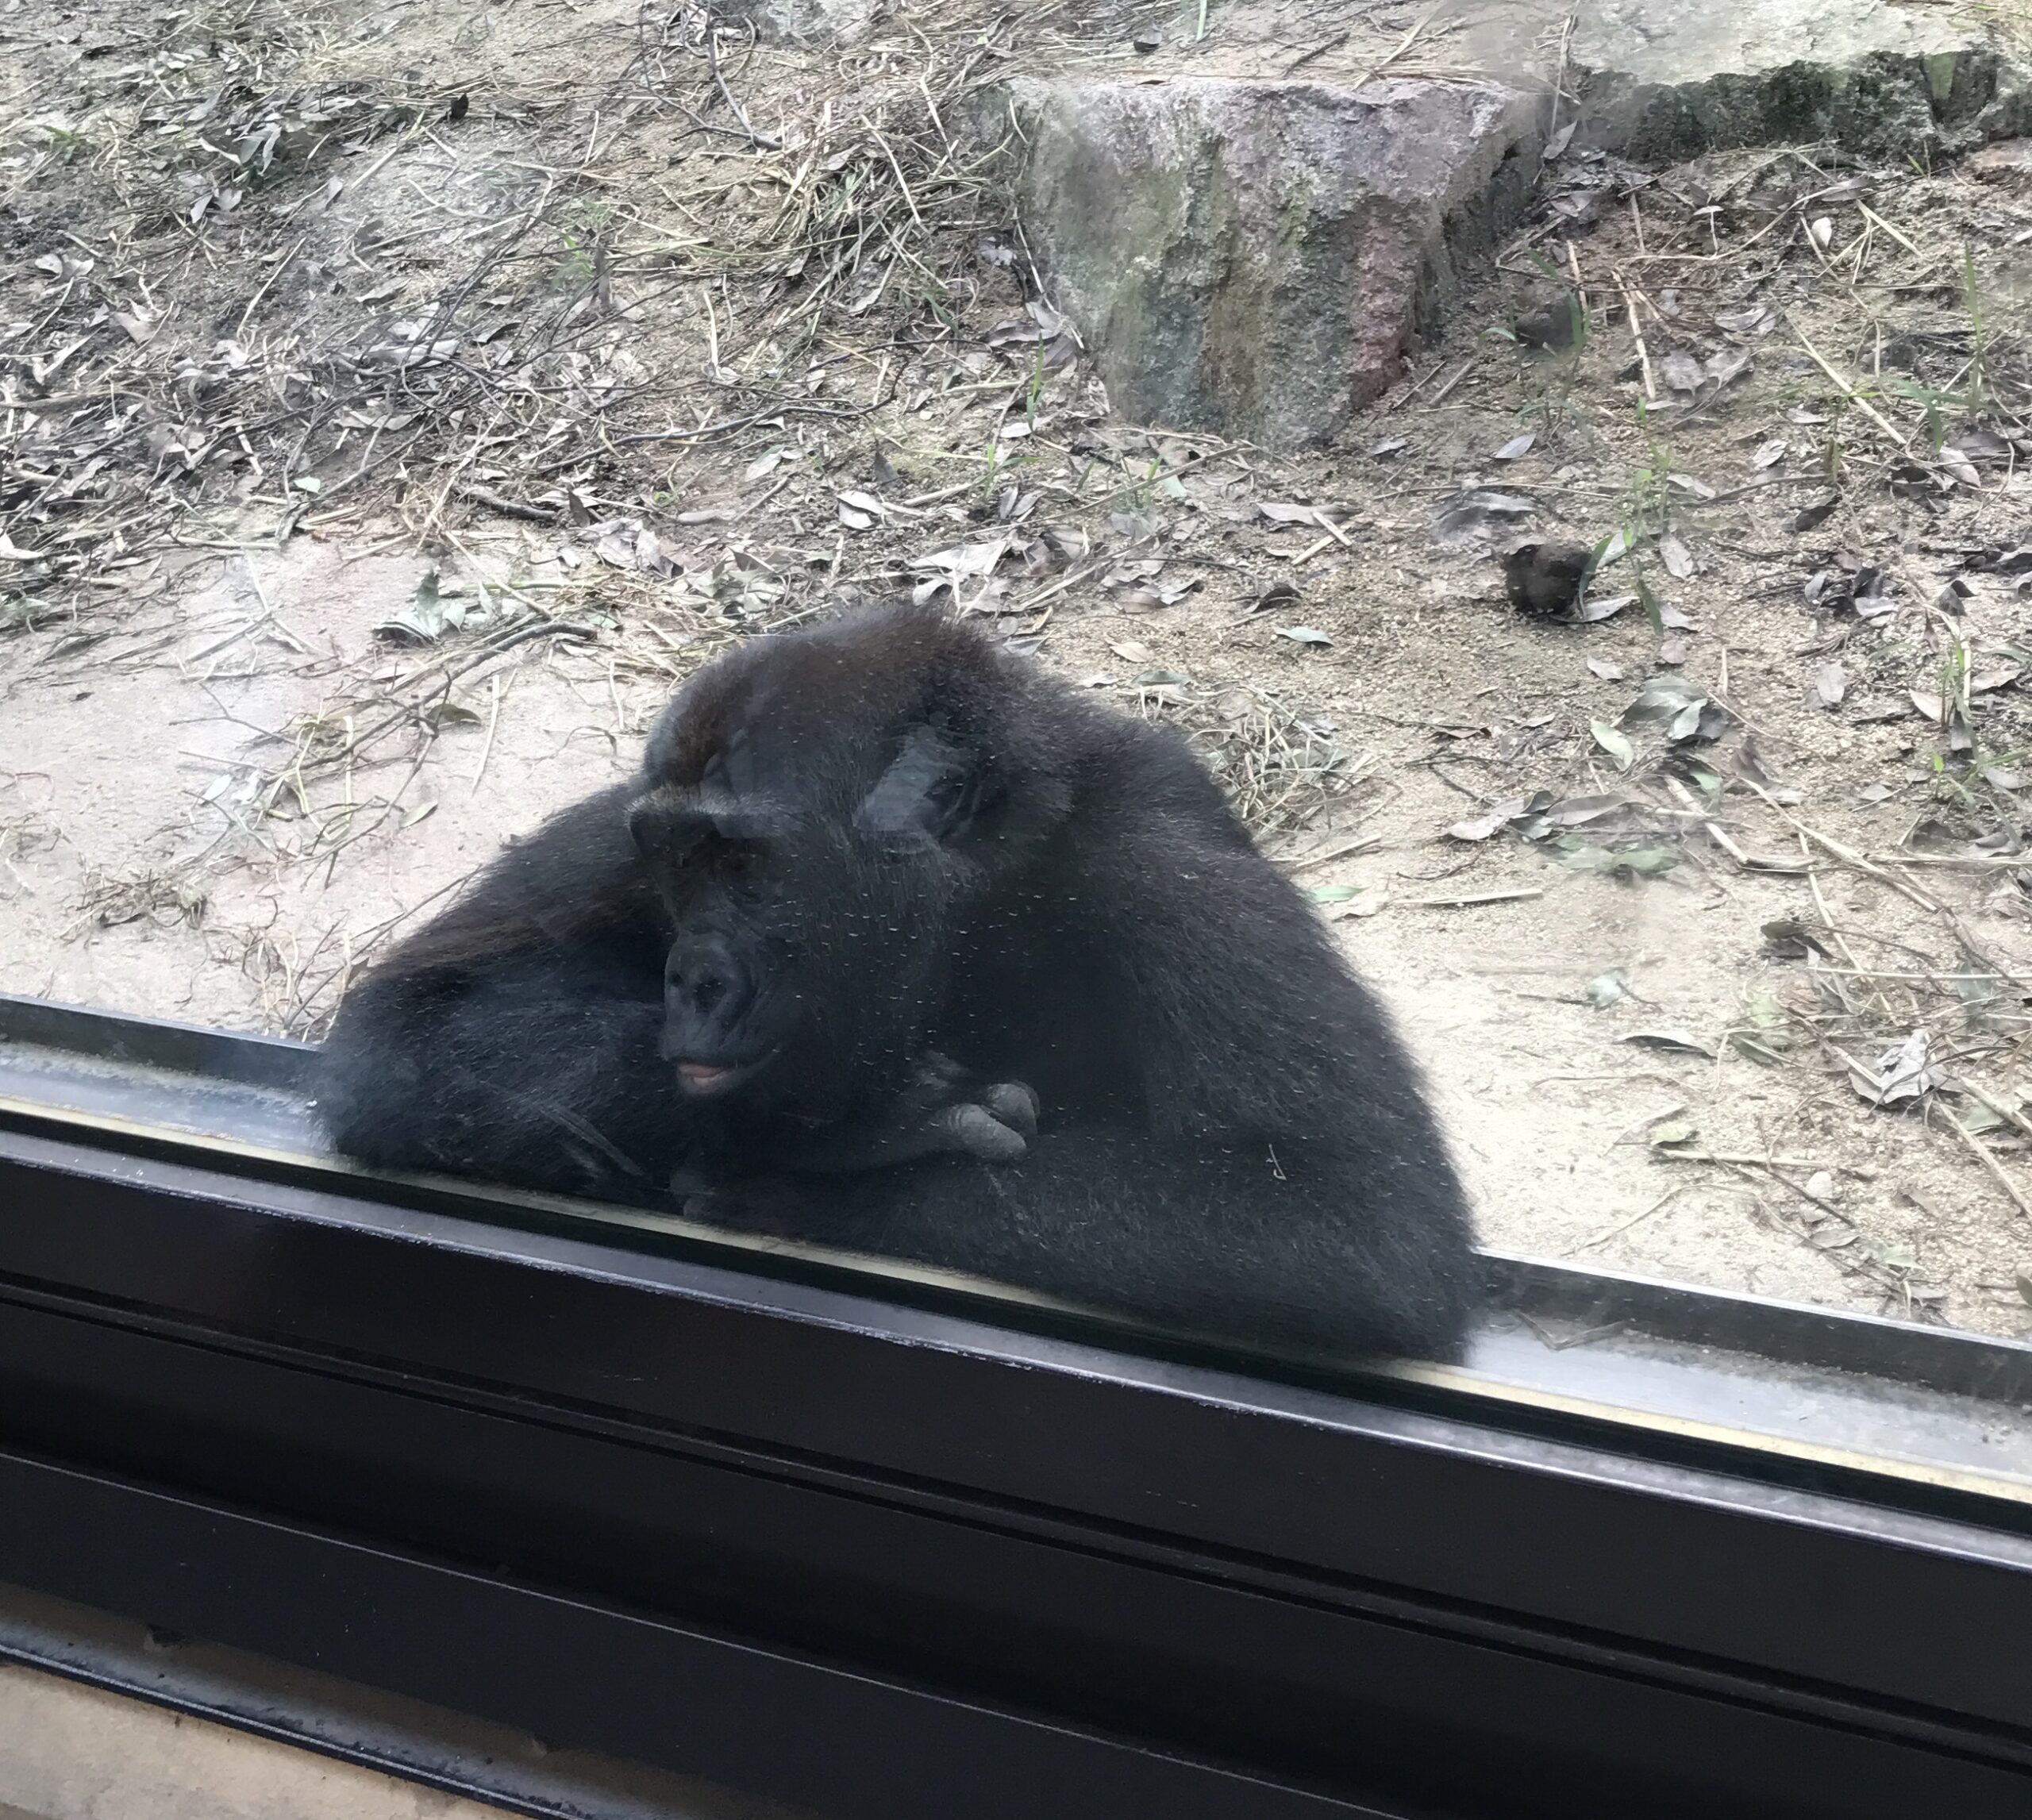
[220, 785]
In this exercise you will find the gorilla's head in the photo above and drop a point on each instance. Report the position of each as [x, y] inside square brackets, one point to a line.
[820, 811]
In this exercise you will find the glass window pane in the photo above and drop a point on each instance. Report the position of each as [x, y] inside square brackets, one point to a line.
[783, 636]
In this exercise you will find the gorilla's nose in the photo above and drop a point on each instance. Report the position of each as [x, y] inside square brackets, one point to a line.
[705, 981]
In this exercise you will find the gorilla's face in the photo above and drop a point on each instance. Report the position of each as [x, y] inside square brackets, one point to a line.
[808, 924]
[732, 996]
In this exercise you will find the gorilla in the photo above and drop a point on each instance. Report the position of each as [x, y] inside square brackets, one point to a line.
[897, 943]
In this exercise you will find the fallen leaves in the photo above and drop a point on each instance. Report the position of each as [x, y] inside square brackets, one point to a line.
[1621, 753]
[1906, 1073]
[429, 614]
[861, 511]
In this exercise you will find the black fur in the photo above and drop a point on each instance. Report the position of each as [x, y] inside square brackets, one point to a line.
[883, 863]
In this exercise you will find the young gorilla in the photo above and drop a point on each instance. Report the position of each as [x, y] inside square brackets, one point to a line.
[899, 944]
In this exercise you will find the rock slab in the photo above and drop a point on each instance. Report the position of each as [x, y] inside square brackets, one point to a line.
[1669, 78]
[1254, 258]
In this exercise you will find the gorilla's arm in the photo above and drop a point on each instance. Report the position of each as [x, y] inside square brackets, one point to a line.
[1287, 1184]
[515, 1037]
[1286, 1246]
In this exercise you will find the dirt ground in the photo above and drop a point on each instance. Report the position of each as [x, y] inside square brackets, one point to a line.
[587, 342]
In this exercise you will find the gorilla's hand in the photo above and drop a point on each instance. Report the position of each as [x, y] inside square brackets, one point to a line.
[943, 1111]
[946, 1111]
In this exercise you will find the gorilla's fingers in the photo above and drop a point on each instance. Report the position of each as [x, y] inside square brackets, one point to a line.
[1014, 1104]
[939, 1073]
[975, 1132]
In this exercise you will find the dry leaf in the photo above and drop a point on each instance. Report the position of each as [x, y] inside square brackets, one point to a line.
[1728, 366]
[1679, 1039]
[1619, 749]
[965, 559]
[1752, 319]
[1958, 466]
[1906, 1072]
[1681, 371]
[1593, 611]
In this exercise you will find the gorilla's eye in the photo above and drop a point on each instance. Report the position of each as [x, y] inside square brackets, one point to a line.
[735, 859]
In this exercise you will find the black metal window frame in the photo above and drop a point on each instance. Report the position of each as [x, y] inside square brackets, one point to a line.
[899, 1552]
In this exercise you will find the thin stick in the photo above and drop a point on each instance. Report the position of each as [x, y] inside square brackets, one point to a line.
[943, 493]
[902, 183]
[493, 721]
[1559, 95]
[1360, 845]
[1469, 898]
[1666, 1154]
[2002, 1111]
[1057, 587]
[1715, 828]
[1608, 1233]
[509, 508]
[1952, 862]
[1988, 1158]
[1460, 373]
[1848, 856]
[282, 265]
[1875, 220]
[726, 94]
[1403, 44]
[755, 506]
[1637, 335]
[1841, 941]
[1847, 390]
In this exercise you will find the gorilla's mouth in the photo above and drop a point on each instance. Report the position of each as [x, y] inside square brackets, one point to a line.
[704, 1080]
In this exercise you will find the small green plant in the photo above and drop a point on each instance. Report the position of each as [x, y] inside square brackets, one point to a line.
[66, 143]
[1935, 403]
[1834, 453]
[583, 227]
[1138, 495]
[1037, 388]
[1954, 679]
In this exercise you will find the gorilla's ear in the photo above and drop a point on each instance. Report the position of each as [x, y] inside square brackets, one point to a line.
[934, 790]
